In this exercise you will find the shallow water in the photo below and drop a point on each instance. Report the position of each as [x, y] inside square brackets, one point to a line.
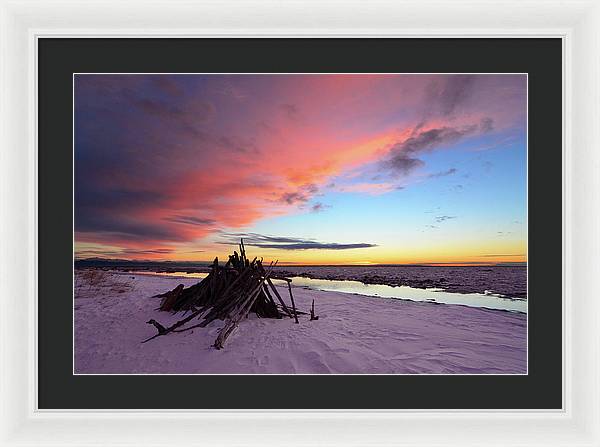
[436, 295]
[489, 301]
[505, 280]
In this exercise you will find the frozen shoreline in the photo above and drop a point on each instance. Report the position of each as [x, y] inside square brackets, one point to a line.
[354, 334]
[509, 281]
[505, 280]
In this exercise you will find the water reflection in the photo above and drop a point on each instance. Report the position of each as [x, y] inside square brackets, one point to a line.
[436, 295]
[410, 293]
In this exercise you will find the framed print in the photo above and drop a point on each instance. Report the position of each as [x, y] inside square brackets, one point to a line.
[183, 185]
[311, 231]
[244, 138]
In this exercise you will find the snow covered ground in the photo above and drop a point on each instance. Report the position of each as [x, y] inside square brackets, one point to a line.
[355, 334]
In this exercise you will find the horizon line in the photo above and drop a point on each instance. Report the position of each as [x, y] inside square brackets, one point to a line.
[294, 264]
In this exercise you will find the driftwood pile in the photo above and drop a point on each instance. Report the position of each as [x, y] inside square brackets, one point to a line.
[228, 293]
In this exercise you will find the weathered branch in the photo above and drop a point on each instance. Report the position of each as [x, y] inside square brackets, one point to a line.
[228, 293]
[312, 312]
[293, 305]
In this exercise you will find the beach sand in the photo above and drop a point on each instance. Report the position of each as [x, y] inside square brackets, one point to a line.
[355, 334]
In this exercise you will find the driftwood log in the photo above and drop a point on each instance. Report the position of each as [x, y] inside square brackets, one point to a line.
[292, 299]
[170, 297]
[227, 293]
[312, 312]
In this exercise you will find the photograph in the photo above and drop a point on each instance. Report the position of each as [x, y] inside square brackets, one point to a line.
[300, 223]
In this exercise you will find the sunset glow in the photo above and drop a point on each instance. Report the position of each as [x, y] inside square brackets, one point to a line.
[308, 169]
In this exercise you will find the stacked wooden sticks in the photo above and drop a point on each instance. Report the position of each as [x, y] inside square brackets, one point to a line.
[228, 293]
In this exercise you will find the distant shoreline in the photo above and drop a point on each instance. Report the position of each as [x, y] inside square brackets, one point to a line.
[505, 280]
[183, 265]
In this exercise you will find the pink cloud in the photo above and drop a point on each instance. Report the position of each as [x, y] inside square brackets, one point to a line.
[171, 160]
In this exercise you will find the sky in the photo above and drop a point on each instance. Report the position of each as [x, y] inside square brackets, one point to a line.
[307, 169]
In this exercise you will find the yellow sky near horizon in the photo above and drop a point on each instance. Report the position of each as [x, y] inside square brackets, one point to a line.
[485, 253]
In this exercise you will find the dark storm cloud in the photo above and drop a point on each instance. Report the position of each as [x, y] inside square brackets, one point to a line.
[444, 98]
[112, 214]
[302, 195]
[433, 138]
[136, 139]
[125, 252]
[190, 220]
[455, 91]
[313, 246]
[403, 156]
[486, 124]
[404, 164]
[124, 228]
[319, 207]
[117, 199]
[286, 243]
[156, 251]
[450, 171]
[292, 198]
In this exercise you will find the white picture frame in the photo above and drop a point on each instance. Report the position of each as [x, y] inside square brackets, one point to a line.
[576, 22]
